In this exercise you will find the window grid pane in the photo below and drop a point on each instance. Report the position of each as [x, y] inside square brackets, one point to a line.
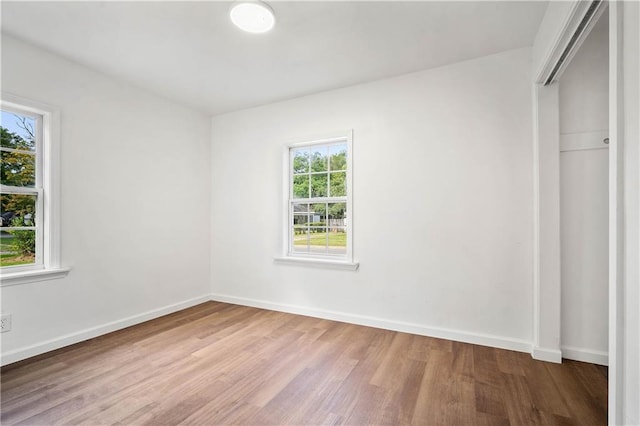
[18, 168]
[19, 131]
[338, 157]
[18, 232]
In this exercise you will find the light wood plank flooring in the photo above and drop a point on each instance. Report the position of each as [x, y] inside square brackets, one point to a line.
[218, 363]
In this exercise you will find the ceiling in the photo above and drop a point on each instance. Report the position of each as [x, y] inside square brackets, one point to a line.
[191, 53]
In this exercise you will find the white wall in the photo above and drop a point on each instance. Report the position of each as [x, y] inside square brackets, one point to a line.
[135, 187]
[442, 203]
[584, 122]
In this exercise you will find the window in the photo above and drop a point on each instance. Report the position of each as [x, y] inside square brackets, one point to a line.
[22, 193]
[319, 210]
[28, 226]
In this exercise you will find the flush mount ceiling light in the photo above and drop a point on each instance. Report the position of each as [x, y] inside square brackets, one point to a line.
[252, 16]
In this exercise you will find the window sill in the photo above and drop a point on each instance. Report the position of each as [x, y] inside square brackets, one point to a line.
[318, 263]
[24, 277]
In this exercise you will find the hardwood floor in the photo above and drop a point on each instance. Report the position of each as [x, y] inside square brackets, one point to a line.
[225, 364]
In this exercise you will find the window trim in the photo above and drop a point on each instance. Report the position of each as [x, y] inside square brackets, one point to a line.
[316, 259]
[48, 183]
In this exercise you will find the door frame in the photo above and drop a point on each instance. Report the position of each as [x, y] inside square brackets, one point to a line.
[546, 197]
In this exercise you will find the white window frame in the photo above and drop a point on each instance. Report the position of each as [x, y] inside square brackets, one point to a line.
[317, 259]
[47, 264]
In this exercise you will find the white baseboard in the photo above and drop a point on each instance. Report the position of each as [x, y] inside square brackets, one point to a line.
[546, 354]
[441, 333]
[90, 333]
[585, 355]
[405, 327]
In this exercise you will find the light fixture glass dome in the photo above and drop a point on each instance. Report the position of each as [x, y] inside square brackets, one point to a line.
[252, 16]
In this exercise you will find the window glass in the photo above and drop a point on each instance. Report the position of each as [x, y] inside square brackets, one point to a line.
[19, 198]
[319, 199]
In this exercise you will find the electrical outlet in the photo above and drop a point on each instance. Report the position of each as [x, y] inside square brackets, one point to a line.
[5, 323]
